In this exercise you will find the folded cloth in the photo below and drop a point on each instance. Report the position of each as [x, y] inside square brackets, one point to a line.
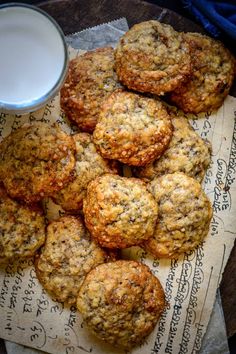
[216, 16]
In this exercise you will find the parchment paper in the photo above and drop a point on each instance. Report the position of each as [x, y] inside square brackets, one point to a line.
[30, 317]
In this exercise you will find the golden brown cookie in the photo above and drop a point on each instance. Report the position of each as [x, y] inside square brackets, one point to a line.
[119, 212]
[184, 215]
[152, 57]
[89, 164]
[211, 79]
[68, 255]
[36, 160]
[187, 153]
[121, 302]
[91, 78]
[132, 129]
[22, 229]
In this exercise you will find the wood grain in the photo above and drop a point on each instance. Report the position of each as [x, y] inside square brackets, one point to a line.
[75, 15]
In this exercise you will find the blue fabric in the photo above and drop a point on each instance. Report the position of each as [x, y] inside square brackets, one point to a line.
[216, 16]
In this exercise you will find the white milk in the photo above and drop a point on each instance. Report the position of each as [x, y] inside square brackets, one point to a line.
[32, 55]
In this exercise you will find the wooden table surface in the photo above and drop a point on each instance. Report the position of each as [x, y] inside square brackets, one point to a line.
[75, 15]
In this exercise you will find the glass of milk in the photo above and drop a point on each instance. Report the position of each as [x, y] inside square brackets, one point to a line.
[33, 58]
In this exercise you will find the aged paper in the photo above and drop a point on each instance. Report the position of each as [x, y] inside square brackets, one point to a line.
[30, 317]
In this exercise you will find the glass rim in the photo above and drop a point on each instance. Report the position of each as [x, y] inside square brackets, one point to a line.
[35, 104]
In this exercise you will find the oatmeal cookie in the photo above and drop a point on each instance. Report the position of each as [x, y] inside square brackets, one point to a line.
[89, 164]
[187, 153]
[119, 211]
[152, 57]
[132, 129]
[68, 255]
[35, 161]
[121, 302]
[22, 228]
[184, 215]
[91, 78]
[211, 79]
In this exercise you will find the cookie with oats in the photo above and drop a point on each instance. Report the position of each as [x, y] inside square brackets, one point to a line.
[91, 78]
[89, 164]
[211, 79]
[185, 214]
[36, 161]
[187, 153]
[22, 229]
[119, 212]
[152, 57]
[121, 302]
[67, 256]
[132, 129]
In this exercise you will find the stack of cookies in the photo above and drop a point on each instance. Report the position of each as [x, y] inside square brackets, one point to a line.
[118, 101]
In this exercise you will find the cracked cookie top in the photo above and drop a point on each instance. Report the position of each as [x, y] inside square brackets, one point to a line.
[91, 78]
[67, 256]
[132, 129]
[35, 161]
[22, 228]
[89, 164]
[187, 153]
[119, 212]
[185, 214]
[152, 57]
[121, 302]
[212, 77]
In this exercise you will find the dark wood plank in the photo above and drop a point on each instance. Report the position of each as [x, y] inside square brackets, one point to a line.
[2, 347]
[79, 14]
[75, 15]
[228, 293]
